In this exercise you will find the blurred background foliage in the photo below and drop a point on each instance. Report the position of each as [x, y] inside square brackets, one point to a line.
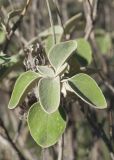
[81, 140]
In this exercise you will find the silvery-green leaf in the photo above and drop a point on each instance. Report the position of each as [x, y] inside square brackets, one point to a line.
[23, 84]
[71, 23]
[87, 89]
[49, 94]
[46, 71]
[62, 69]
[49, 31]
[49, 42]
[61, 52]
[46, 129]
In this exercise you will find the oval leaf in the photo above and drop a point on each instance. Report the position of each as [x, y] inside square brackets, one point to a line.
[83, 52]
[49, 42]
[49, 94]
[22, 86]
[71, 23]
[46, 128]
[46, 71]
[49, 31]
[104, 42]
[61, 52]
[87, 89]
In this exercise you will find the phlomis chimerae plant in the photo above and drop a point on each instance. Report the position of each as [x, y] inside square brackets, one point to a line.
[46, 118]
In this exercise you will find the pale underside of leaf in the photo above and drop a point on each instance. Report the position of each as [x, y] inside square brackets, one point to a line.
[61, 52]
[23, 84]
[46, 71]
[87, 89]
[49, 94]
[46, 128]
[62, 69]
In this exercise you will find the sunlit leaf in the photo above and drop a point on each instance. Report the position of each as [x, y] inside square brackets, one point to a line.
[87, 89]
[49, 94]
[23, 84]
[46, 129]
[61, 52]
[49, 42]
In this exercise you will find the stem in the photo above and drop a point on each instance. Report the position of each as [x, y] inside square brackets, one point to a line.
[59, 16]
[60, 148]
[51, 21]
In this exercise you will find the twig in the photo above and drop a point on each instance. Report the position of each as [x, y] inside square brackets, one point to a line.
[43, 154]
[18, 131]
[15, 26]
[60, 148]
[21, 156]
[51, 21]
[59, 16]
[10, 2]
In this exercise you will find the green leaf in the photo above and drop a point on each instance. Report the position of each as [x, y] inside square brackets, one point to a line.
[62, 69]
[74, 66]
[48, 35]
[46, 129]
[49, 31]
[61, 52]
[9, 63]
[49, 94]
[23, 84]
[49, 43]
[103, 40]
[83, 52]
[46, 71]
[4, 58]
[87, 89]
[71, 23]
